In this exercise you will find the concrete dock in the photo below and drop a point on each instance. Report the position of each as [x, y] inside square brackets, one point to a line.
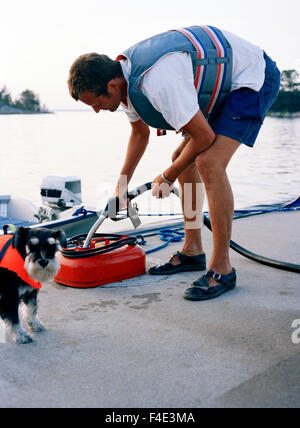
[139, 344]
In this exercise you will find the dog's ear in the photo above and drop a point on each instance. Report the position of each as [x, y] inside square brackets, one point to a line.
[20, 238]
[61, 237]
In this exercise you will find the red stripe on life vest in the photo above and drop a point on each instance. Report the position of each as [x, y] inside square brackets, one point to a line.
[186, 33]
[211, 35]
[215, 89]
[214, 94]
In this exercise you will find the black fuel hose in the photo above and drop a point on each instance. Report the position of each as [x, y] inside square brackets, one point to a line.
[73, 250]
[277, 264]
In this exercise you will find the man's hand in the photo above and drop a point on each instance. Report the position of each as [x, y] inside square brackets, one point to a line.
[161, 189]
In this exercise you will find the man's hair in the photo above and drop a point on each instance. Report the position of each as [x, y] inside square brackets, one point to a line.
[91, 72]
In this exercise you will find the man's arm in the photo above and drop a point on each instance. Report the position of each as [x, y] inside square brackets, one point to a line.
[201, 138]
[137, 144]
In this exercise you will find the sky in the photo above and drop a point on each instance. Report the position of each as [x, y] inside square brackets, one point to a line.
[40, 39]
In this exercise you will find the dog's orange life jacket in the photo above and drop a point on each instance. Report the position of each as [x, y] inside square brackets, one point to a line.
[11, 259]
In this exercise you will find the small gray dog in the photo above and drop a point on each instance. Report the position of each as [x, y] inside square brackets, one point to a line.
[27, 259]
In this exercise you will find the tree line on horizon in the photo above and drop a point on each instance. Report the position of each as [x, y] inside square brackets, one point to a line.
[27, 100]
[288, 100]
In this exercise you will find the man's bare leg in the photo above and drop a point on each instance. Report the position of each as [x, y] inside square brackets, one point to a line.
[212, 166]
[192, 198]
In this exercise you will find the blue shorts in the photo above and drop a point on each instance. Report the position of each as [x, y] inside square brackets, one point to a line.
[242, 114]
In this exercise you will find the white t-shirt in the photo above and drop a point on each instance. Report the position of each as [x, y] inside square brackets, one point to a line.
[169, 85]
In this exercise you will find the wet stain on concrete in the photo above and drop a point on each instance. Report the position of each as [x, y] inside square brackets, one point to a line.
[148, 300]
[99, 306]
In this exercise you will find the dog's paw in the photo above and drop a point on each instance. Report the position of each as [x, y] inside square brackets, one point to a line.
[17, 334]
[22, 337]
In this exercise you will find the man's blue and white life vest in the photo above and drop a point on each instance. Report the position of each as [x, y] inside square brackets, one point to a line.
[212, 65]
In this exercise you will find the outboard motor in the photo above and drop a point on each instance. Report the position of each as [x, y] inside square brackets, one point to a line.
[59, 194]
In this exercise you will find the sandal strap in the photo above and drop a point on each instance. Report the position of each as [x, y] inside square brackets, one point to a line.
[191, 260]
[222, 279]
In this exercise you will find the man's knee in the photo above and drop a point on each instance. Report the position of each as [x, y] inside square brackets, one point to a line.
[208, 166]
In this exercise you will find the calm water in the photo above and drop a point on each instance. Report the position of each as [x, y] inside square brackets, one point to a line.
[93, 147]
